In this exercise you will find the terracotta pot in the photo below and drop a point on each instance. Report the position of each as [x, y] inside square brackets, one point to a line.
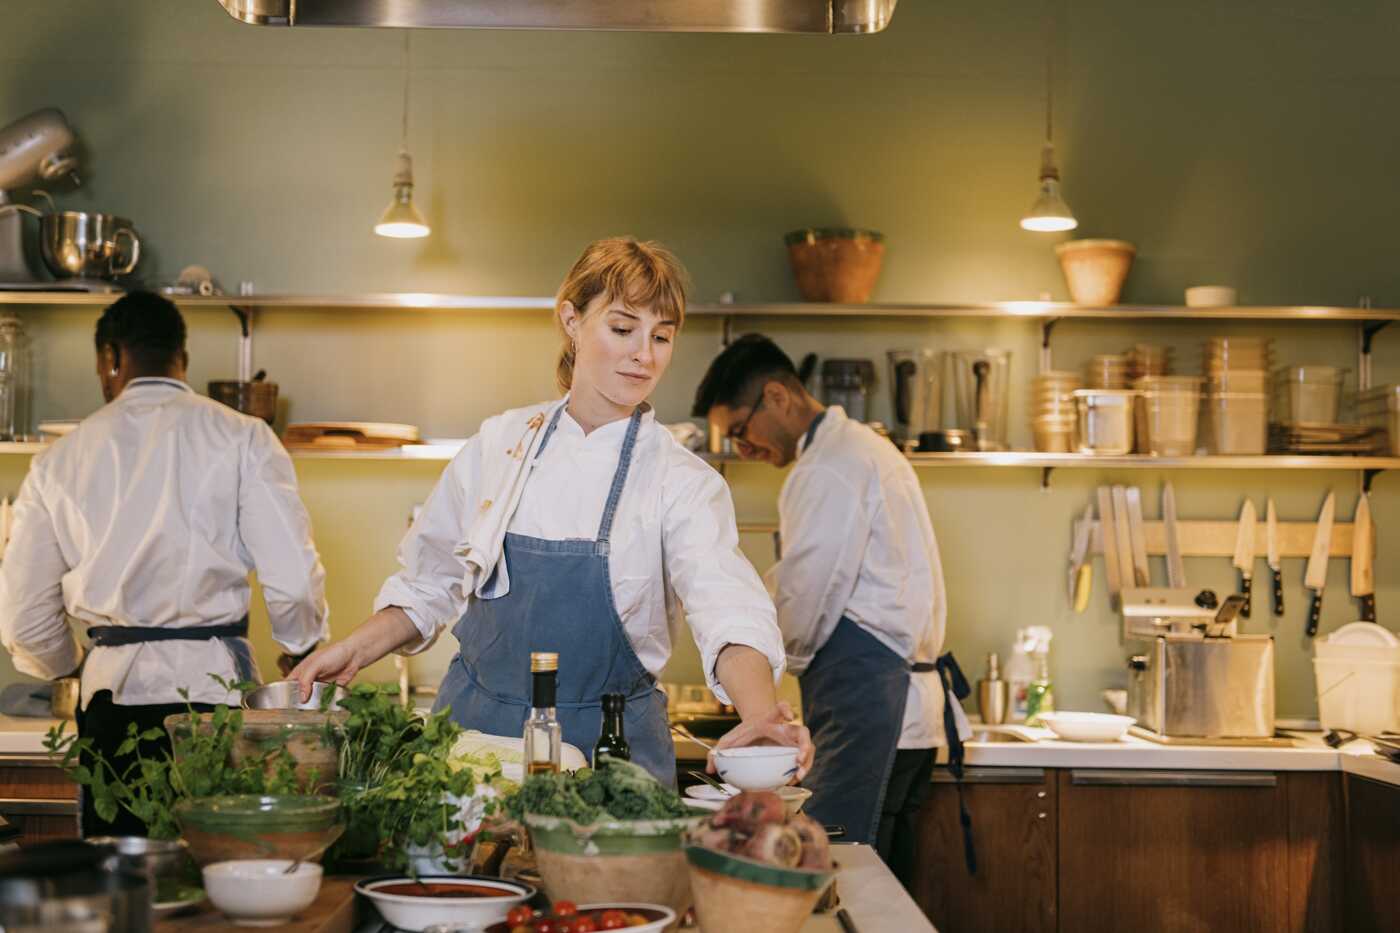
[836, 265]
[1095, 269]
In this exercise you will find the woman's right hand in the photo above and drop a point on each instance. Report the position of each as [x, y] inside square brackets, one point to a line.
[387, 630]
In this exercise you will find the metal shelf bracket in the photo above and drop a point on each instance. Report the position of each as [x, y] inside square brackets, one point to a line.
[1366, 477]
[1045, 477]
[1369, 329]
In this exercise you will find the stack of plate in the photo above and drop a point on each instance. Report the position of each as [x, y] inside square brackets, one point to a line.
[1236, 370]
[1053, 412]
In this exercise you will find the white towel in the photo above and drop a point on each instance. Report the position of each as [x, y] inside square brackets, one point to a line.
[509, 445]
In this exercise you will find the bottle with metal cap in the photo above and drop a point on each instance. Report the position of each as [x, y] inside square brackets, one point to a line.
[993, 694]
[543, 734]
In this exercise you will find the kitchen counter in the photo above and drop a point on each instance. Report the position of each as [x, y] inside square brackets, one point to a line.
[23, 736]
[1309, 753]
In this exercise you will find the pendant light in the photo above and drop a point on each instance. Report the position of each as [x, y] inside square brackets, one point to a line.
[1049, 213]
[401, 219]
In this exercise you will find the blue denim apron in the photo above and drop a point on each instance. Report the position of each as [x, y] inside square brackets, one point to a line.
[560, 599]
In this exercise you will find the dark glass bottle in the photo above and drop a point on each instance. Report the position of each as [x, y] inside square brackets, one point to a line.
[612, 741]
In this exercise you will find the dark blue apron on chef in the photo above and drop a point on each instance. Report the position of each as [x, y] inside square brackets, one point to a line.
[234, 635]
[560, 599]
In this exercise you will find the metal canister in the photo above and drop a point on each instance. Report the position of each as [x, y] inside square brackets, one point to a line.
[993, 694]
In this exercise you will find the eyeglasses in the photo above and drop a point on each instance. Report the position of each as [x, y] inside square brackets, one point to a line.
[737, 434]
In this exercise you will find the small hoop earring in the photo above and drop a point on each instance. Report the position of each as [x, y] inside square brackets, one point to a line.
[114, 372]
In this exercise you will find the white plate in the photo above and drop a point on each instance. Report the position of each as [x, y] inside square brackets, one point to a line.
[1087, 727]
[1364, 633]
[706, 797]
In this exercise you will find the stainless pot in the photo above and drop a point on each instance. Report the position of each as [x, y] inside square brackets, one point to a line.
[63, 702]
[79, 245]
[71, 887]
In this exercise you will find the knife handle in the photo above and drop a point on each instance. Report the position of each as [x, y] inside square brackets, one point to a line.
[1246, 584]
[1368, 607]
[1082, 585]
[1315, 613]
[1278, 593]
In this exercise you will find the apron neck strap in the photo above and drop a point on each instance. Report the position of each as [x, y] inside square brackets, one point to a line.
[549, 431]
[812, 431]
[624, 463]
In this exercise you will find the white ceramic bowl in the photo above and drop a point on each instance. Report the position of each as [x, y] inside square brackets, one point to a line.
[1087, 727]
[258, 892]
[656, 926]
[706, 797]
[756, 767]
[417, 913]
[1210, 296]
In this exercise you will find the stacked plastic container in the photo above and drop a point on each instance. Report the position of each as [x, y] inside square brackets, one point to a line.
[1168, 409]
[1308, 395]
[1358, 679]
[1107, 371]
[1380, 408]
[1148, 359]
[1236, 372]
[1053, 412]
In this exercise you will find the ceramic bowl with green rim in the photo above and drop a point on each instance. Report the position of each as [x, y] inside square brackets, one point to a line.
[250, 826]
[632, 861]
[737, 893]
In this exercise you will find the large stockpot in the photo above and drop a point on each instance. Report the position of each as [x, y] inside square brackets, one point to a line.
[79, 245]
[72, 887]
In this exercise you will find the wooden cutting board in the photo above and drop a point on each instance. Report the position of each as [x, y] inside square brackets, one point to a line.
[334, 911]
[349, 435]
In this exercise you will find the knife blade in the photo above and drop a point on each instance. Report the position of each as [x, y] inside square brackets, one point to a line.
[1176, 569]
[1244, 551]
[1363, 546]
[1081, 580]
[1275, 565]
[1316, 577]
[1123, 535]
[1108, 531]
[1138, 538]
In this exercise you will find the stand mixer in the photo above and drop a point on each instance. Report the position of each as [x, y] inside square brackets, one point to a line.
[37, 147]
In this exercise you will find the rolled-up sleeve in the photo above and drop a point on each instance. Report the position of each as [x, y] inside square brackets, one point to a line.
[723, 598]
[33, 625]
[276, 531]
[428, 585]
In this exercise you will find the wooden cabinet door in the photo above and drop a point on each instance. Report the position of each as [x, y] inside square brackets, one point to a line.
[1373, 855]
[39, 799]
[1172, 851]
[1013, 822]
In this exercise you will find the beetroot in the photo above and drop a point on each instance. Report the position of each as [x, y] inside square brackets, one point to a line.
[748, 811]
[776, 845]
[816, 847]
[719, 838]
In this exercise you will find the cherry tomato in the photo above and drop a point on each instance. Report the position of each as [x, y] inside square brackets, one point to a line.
[546, 925]
[612, 920]
[585, 924]
[566, 925]
[565, 909]
[519, 916]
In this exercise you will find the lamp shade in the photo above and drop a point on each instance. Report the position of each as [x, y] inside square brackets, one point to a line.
[401, 219]
[1049, 213]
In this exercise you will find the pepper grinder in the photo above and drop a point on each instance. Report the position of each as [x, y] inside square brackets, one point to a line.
[993, 694]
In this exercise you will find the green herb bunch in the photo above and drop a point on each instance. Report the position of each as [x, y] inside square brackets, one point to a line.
[199, 765]
[616, 789]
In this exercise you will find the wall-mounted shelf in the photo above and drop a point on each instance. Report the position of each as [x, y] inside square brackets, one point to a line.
[1034, 459]
[1029, 310]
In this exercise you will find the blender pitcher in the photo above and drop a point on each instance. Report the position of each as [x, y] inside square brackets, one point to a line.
[980, 382]
[916, 390]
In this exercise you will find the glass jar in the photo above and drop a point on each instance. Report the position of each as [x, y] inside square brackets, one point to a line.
[14, 379]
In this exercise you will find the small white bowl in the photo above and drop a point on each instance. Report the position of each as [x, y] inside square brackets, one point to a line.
[756, 767]
[416, 913]
[258, 892]
[1087, 727]
[705, 797]
[1211, 296]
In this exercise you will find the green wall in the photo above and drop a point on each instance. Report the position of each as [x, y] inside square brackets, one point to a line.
[1243, 144]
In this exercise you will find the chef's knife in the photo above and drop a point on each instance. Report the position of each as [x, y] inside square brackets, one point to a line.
[1176, 570]
[1138, 538]
[1081, 572]
[1271, 536]
[1316, 577]
[1244, 552]
[1363, 545]
[1108, 532]
[1123, 535]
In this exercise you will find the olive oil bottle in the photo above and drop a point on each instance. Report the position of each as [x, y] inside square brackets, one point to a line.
[543, 735]
[612, 740]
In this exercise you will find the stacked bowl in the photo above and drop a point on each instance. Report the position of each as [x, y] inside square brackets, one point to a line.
[1236, 371]
[1053, 412]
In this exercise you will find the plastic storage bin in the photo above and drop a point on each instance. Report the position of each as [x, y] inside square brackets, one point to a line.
[1380, 407]
[1238, 423]
[1308, 394]
[1168, 415]
[1105, 422]
[1358, 694]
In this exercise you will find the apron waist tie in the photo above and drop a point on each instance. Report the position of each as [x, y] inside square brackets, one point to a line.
[110, 636]
[955, 687]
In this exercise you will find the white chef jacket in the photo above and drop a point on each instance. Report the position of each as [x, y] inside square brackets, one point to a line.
[857, 542]
[152, 512]
[674, 541]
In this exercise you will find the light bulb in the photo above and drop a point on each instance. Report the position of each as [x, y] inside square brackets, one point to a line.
[1049, 213]
[401, 219]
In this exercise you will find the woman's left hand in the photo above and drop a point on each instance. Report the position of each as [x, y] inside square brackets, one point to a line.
[776, 728]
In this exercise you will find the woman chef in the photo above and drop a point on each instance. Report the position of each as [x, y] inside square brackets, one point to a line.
[574, 527]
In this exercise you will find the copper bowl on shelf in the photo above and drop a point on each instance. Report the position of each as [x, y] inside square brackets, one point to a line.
[258, 399]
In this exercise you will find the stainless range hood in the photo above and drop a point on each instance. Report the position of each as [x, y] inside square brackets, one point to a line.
[823, 17]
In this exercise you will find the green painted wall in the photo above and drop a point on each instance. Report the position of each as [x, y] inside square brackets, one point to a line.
[1249, 145]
